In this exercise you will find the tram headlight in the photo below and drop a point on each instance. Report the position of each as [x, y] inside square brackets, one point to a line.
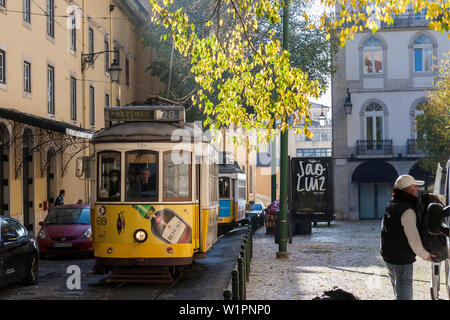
[140, 235]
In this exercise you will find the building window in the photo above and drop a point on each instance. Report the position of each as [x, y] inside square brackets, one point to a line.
[2, 66]
[423, 53]
[117, 102]
[106, 100]
[91, 41]
[3, 3]
[26, 11]
[26, 76]
[373, 56]
[127, 72]
[73, 98]
[374, 124]
[51, 89]
[73, 33]
[92, 105]
[106, 56]
[51, 18]
[316, 152]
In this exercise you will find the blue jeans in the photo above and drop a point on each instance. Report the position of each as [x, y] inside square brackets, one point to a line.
[402, 280]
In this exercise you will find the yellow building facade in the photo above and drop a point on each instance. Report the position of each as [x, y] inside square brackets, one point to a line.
[52, 95]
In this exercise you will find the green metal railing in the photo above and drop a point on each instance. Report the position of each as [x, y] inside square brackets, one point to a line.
[240, 274]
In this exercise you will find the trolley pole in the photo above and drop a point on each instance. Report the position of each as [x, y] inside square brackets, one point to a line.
[283, 226]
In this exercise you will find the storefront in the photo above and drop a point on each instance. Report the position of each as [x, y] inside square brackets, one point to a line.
[36, 162]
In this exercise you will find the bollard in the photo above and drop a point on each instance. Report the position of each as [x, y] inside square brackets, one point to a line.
[241, 269]
[247, 256]
[226, 294]
[244, 260]
[250, 243]
[235, 284]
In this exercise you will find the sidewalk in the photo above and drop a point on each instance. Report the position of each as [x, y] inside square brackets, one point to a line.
[346, 255]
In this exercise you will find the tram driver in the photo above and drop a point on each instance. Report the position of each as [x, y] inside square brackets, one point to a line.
[145, 186]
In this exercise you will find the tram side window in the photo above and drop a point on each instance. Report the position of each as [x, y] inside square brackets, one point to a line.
[109, 176]
[213, 177]
[177, 176]
[142, 175]
[224, 187]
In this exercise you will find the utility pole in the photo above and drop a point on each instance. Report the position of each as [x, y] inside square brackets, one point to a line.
[284, 162]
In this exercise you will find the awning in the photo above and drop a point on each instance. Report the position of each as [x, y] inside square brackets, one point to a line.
[46, 124]
[375, 171]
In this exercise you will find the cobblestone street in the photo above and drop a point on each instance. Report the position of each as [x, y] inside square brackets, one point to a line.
[345, 255]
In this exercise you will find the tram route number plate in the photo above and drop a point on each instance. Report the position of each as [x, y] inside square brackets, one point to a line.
[62, 244]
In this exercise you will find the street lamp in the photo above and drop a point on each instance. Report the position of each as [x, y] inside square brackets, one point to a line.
[114, 71]
[322, 118]
[348, 104]
[88, 59]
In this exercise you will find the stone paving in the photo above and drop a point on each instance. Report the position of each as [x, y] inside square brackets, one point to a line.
[345, 254]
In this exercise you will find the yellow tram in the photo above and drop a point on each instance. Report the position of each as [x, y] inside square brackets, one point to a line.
[232, 196]
[154, 189]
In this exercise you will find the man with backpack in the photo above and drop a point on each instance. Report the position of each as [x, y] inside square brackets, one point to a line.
[400, 239]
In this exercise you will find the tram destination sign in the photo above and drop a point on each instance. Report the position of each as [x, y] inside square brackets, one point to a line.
[144, 113]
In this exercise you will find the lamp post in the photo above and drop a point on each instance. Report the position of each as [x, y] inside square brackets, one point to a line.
[284, 164]
[322, 118]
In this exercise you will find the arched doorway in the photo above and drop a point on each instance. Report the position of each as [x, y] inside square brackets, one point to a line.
[375, 180]
[52, 184]
[27, 179]
[4, 170]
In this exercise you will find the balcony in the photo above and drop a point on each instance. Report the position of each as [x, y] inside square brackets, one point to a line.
[374, 147]
[412, 148]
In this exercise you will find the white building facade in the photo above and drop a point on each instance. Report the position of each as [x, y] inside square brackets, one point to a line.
[385, 77]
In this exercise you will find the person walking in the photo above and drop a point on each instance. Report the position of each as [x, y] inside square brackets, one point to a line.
[400, 239]
[60, 199]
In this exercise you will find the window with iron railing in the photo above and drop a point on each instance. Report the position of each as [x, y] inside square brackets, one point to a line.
[374, 147]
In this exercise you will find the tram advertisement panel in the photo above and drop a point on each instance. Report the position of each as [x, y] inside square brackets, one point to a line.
[310, 185]
[118, 223]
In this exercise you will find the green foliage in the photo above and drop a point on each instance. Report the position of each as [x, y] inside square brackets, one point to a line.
[433, 127]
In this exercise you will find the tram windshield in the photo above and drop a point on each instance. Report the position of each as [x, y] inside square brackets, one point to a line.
[141, 175]
[224, 187]
[109, 176]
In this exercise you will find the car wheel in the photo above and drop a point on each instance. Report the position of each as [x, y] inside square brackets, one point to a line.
[32, 272]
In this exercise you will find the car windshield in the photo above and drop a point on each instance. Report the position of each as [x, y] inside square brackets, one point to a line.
[68, 216]
[257, 206]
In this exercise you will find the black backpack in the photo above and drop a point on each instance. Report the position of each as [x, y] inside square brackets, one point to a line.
[436, 244]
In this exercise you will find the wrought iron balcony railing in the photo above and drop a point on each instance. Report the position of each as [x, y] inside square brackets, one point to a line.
[412, 147]
[374, 147]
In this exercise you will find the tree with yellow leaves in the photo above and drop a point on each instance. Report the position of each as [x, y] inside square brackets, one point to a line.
[245, 74]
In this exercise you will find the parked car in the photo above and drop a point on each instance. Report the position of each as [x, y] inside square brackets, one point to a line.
[253, 209]
[19, 253]
[66, 229]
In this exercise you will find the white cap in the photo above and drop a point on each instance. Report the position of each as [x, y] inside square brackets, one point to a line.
[405, 181]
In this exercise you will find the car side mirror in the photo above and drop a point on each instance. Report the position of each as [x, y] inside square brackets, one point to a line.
[9, 237]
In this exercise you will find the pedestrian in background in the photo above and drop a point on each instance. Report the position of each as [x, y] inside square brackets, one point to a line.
[60, 199]
[400, 239]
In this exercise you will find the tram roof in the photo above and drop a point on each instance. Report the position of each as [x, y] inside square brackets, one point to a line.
[148, 131]
[230, 168]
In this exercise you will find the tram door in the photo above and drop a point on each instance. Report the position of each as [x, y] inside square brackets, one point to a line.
[233, 193]
[197, 200]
